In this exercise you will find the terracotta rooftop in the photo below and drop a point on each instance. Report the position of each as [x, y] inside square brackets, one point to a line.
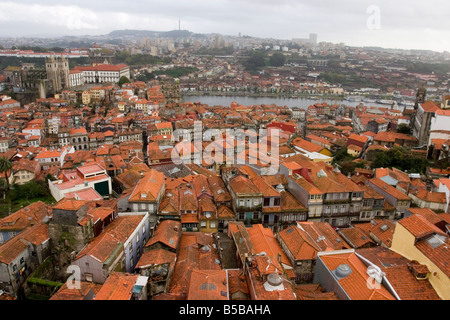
[167, 232]
[242, 185]
[86, 290]
[196, 252]
[395, 266]
[26, 217]
[381, 229]
[264, 241]
[323, 235]
[115, 234]
[299, 244]
[148, 188]
[355, 284]
[359, 138]
[419, 226]
[118, 286]
[356, 237]
[435, 197]
[313, 291]
[69, 204]
[389, 189]
[156, 257]
[306, 145]
[260, 288]
[35, 235]
[208, 285]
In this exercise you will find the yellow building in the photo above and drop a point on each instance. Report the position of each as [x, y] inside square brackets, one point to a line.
[418, 239]
[354, 151]
[208, 221]
[86, 97]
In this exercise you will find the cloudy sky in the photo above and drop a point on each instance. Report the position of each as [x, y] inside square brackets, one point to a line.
[406, 24]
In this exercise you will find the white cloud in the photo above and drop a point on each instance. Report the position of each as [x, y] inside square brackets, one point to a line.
[403, 23]
[71, 17]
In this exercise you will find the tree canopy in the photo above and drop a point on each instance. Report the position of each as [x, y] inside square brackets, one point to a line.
[277, 59]
[5, 167]
[402, 159]
[255, 61]
[123, 80]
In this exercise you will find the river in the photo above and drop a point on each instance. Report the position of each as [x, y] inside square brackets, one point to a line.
[213, 100]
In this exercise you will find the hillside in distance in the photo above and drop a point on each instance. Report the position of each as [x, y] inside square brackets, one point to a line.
[150, 34]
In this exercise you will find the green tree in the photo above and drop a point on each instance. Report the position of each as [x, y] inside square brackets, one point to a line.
[404, 128]
[277, 59]
[341, 155]
[255, 61]
[123, 80]
[5, 167]
[402, 159]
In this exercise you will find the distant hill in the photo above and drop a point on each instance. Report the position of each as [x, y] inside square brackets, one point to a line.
[150, 34]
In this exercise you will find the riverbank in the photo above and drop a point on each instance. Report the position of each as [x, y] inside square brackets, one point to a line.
[265, 95]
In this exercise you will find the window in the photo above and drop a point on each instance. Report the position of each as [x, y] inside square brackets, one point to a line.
[22, 260]
[277, 202]
[255, 215]
[88, 277]
[203, 224]
[212, 224]
[266, 202]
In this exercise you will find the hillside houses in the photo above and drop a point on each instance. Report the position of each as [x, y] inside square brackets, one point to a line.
[140, 225]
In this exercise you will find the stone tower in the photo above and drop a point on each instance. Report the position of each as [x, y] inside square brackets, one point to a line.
[420, 98]
[57, 69]
[171, 90]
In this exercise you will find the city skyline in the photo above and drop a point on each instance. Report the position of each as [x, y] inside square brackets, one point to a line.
[399, 25]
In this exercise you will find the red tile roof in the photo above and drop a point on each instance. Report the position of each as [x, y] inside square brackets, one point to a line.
[196, 252]
[208, 285]
[381, 229]
[389, 189]
[299, 244]
[26, 217]
[118, 286]
[148, 188]
[355, 284]
[356, 237]
[86, 288]
[419, 226]
[156, 257]
[399, 275]
[35, 235]
[168, 232]
[69, 204]
[323, 235]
